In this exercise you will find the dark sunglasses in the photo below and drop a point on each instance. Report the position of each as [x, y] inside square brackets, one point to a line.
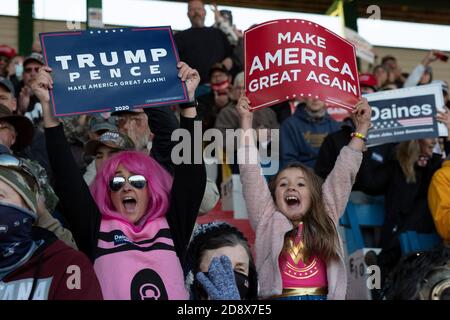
[9, 161]
[136, 181]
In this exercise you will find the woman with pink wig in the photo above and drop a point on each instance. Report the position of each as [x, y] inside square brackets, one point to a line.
[136, 221]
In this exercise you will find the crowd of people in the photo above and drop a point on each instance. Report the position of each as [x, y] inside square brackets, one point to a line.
[101, 192]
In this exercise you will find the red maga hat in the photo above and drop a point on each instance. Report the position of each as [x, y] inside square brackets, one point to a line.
[7, 51]
[367, 80]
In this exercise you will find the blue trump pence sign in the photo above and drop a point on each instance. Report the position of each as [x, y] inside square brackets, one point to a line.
[112, 69]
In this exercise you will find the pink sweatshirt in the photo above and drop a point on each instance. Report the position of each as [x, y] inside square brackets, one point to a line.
[271, 225]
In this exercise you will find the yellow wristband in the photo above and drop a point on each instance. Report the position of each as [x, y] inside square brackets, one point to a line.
[359, 135]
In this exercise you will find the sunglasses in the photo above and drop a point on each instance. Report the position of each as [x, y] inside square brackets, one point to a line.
[136, 181]
[9, 161]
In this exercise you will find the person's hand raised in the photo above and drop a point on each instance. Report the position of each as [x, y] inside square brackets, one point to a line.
[40, 87]
[42, 84]
[190, 77]
[243, 109]
[362, 116]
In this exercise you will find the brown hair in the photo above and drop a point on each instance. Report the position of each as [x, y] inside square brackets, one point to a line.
[319, 231]
[407, 153]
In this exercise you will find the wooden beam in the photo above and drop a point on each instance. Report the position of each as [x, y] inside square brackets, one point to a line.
[436, 11]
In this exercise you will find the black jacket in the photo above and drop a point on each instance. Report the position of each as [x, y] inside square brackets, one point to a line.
[200, 48]
[406, 204]
[82, 213]
[373, 157]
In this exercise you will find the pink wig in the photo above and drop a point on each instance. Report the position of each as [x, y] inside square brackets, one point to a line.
[159, 183]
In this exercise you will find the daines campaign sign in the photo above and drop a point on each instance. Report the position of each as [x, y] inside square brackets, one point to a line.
[406, 114]
[288, 59]
[112, 69]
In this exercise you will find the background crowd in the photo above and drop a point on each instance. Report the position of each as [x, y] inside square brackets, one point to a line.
[101, 191]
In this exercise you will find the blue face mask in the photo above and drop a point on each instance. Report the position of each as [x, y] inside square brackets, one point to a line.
[15, 234]
[19, 71]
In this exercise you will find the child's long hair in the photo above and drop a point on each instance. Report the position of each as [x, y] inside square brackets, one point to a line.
[319, 232]
[159, 184]
[407, 154]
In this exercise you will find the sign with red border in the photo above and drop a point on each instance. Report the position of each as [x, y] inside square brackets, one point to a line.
[293, 59]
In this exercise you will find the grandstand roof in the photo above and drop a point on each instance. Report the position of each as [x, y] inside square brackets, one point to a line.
[435, 12]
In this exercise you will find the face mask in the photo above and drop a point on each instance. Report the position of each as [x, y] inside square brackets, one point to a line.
[19, 71]
[221, 87]
[242, 284]
[15, 234]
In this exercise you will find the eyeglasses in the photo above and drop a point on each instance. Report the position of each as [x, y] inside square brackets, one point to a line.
[12, 162]
[136, 181]
[29, 69]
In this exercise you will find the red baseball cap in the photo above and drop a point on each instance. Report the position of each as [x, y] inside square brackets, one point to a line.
[367, 80]
[7, 51]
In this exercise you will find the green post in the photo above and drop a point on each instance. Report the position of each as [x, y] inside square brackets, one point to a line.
[347, 11]
[350, 11]
[26, 30]
[351, 14]
[94, 15]
[337, 10]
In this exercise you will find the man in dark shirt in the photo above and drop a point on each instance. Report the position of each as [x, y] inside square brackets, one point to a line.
[28, 104]
[372, 157]
[201, 46]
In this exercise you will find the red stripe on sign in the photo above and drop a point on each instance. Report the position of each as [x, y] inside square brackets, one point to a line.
[417, 122]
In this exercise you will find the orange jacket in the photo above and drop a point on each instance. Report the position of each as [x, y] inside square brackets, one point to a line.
[439, 200]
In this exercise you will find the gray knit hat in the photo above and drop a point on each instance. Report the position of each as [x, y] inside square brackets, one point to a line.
[26, 189]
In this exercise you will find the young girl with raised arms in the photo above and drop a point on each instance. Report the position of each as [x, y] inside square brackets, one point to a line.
[299, 253]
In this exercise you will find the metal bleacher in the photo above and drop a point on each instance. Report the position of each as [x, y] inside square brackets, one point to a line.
[357, 216]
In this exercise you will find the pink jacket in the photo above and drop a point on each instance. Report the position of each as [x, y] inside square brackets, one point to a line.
[271, 225]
